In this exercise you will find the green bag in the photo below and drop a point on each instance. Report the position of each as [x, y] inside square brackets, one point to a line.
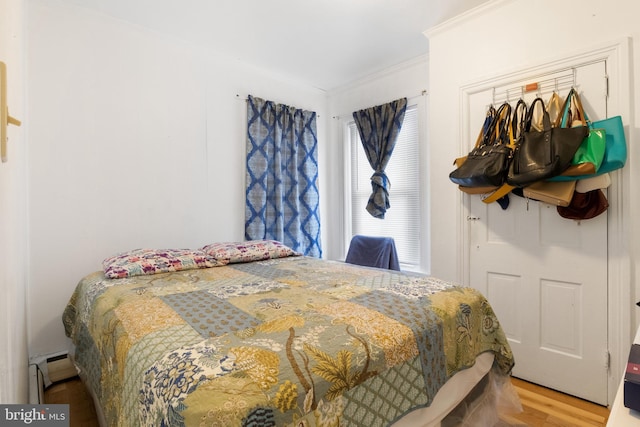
[591, 151]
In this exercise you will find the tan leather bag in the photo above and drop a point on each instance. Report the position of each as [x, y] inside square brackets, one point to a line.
[555, 193]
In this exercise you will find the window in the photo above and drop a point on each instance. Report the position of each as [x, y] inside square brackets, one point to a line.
[402, 220]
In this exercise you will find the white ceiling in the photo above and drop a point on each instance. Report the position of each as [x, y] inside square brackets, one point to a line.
[323, 43]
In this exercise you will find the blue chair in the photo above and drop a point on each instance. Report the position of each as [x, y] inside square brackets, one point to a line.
[370, 251]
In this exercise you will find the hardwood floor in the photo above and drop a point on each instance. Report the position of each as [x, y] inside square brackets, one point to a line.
[548, 408]
[542, 407]
[82, 413]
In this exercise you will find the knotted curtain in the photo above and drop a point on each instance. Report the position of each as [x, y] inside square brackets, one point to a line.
[378, 128]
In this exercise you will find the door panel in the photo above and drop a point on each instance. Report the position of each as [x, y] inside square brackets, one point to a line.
[546, 276]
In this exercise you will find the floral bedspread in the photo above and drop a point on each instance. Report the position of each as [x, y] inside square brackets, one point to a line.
[290, 341]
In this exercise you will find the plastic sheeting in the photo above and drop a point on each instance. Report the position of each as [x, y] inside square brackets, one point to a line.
[493, 397]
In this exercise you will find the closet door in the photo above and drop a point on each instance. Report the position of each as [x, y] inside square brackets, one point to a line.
[546, 276]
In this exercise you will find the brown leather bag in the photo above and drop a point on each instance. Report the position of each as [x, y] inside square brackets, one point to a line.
[585, 205]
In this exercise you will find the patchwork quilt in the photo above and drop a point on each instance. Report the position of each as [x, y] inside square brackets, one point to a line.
[288, 341]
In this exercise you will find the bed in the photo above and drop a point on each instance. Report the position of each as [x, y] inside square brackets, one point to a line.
[254, 334]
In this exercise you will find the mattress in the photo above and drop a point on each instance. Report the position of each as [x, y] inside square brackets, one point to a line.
[289, 341]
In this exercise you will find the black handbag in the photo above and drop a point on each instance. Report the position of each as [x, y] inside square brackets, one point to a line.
[540, 155]
[518, 121]
[487, 164]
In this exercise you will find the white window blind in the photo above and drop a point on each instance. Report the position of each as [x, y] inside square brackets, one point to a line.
[402, 220]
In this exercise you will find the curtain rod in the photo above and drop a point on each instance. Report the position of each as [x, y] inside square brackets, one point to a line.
[424, 92]
[239, 98]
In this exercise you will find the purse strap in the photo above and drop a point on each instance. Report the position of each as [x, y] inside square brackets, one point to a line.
[546, 122]
[566, 117]
[554, 110]
[553, 106]
[504, 189]
[486, 126]
[491, 113]
[501, 126]
[581, 113]
[519, 118]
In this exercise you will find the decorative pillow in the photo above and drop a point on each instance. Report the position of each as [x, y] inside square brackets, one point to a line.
[152, 261]
[251, 250]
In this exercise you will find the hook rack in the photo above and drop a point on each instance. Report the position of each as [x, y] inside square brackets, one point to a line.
[558, 81]
[5, 118]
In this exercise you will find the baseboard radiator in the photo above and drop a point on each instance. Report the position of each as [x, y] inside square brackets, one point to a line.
[60, 368]
[36, 385]
[46, 372]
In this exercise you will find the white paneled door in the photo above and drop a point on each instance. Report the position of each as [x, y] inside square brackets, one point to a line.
[546, 276]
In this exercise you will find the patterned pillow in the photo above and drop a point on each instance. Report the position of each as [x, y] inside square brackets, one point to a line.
[251, 250]
[152, 261]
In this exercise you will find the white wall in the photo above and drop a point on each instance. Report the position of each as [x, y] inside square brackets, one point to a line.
[510, 35]
[13, 270]
[135, 140]
[408, 79]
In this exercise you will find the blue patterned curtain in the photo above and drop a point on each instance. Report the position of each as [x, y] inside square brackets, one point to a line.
[379, 128]
[282, 176]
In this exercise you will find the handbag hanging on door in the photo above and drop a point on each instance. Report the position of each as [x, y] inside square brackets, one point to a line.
[518, 124]
[491, 113]
[615, 152]
[588, 157]
[554, 193]
[487, 164]
[482, 135]
[554, 107]
[543, 154]
[585, 205]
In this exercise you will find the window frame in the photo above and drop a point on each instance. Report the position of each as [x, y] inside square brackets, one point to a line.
[418, 103]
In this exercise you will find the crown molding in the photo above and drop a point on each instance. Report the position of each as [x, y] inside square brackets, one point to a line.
[457, 20]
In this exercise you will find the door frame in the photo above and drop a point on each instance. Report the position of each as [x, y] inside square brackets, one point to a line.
[616, 54]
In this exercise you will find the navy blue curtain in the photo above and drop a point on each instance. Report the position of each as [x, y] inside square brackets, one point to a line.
[378, 128]
[282, 199]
